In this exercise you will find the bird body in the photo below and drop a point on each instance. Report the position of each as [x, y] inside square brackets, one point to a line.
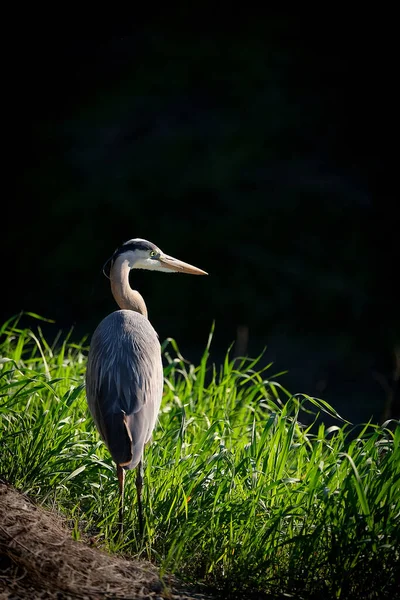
[124, 375]
[125, 388]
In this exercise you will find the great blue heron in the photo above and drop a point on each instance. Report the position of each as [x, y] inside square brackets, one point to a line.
[124, 376]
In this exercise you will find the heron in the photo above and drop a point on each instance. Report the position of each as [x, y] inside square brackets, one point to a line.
[124, 375]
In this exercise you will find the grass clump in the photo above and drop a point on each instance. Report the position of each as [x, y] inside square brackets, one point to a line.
[238, 493]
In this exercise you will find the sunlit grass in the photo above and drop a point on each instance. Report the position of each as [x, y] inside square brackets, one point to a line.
[238, 494]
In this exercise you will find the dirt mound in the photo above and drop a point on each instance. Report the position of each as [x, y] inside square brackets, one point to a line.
[40, 560]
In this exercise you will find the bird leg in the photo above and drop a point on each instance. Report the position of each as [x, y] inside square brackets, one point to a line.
[139, 488]
[121, 482]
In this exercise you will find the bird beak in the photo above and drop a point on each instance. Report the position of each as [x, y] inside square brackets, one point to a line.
[180, 267]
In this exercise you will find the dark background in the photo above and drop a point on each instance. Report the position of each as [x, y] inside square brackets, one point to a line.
[263, 153]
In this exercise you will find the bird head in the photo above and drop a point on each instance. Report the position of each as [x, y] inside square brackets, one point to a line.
[142, 254]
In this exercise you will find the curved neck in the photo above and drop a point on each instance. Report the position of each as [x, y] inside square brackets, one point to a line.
[124, 295]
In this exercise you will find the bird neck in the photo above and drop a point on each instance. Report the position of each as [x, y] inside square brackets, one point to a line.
[124, 295]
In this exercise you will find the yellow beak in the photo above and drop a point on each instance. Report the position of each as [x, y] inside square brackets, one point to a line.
[179, 266]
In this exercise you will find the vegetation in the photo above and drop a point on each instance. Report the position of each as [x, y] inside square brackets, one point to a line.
[238, 493]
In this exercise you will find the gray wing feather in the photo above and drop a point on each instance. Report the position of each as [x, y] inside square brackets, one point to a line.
[124, 383]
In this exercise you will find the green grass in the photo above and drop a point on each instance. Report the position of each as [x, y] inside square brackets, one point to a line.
[238, 494]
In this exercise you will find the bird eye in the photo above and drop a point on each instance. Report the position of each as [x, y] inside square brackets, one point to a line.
[153, 253]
